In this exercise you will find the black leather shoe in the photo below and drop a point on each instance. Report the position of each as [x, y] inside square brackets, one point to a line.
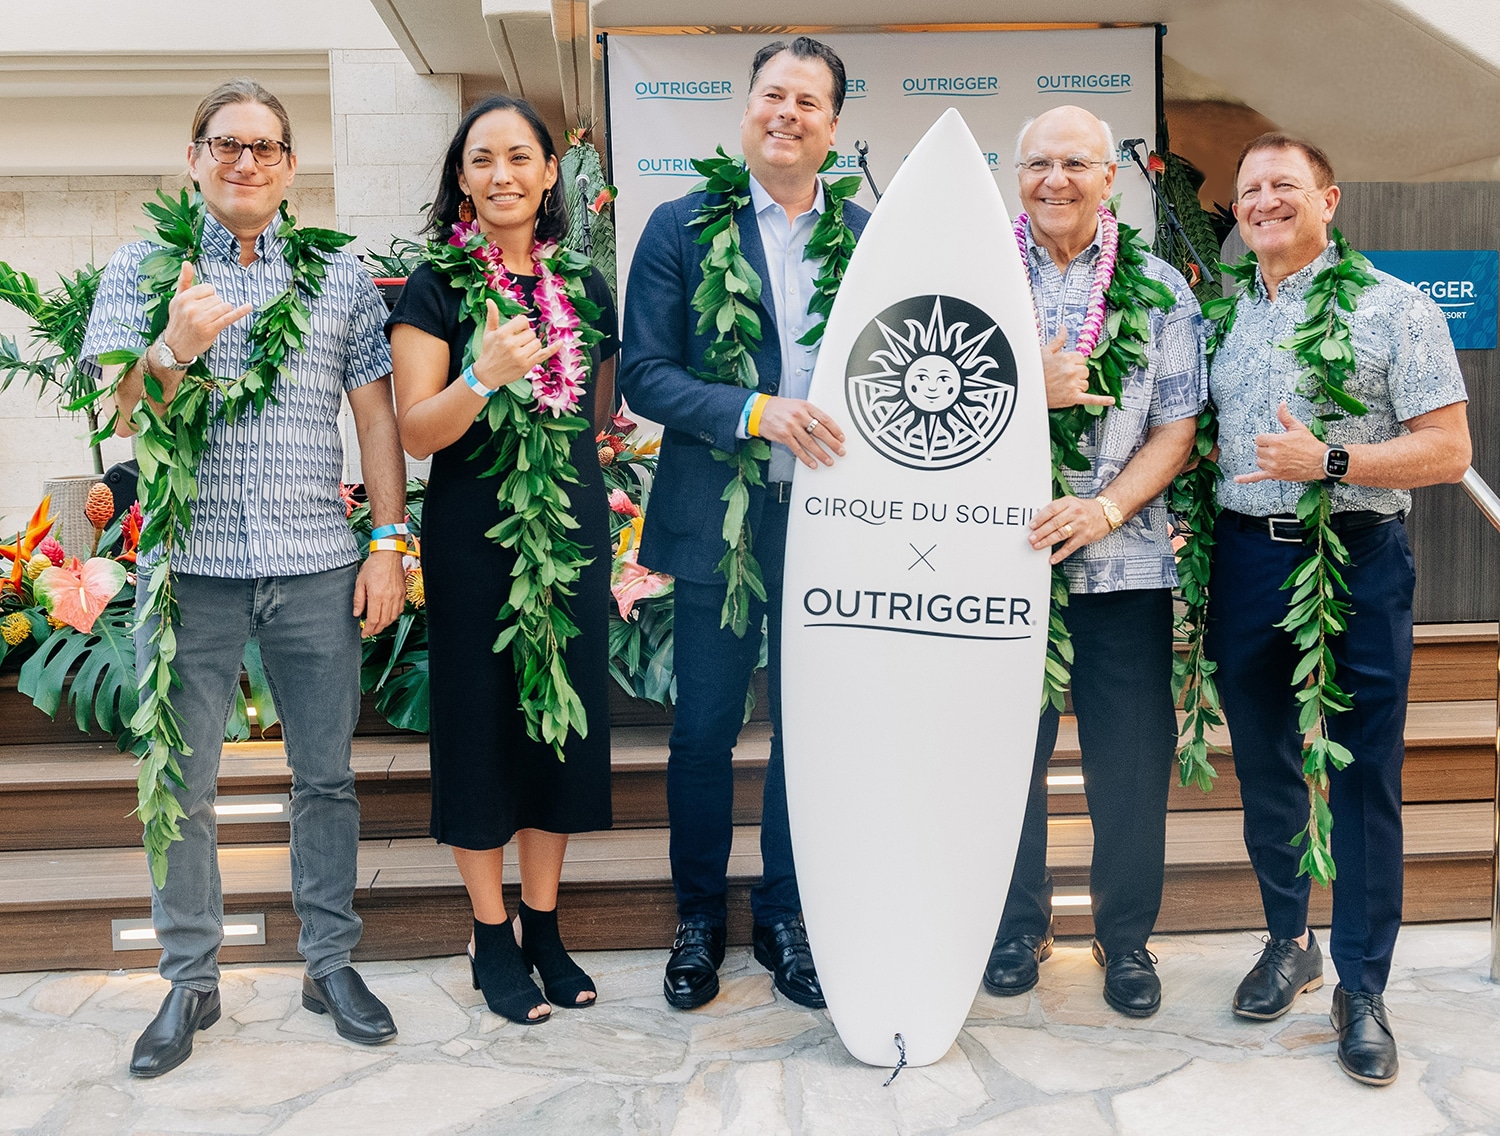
[1015, 963]
[1130, 982]
[357, 1014]
[1283, 971]
[692, 976]
[782, 948]
[1367, 1048]
[168, 1040]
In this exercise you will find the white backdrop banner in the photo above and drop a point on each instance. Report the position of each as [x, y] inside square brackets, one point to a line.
[673, 98]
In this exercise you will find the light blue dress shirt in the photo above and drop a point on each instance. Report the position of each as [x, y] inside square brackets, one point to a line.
[791, 279]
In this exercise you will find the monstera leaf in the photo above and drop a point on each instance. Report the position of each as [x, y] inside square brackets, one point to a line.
[395, 670]
[101, 689]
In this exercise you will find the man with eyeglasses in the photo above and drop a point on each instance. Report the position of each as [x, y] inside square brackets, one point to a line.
[1414, 432]
[268, 555]
[1113, 543]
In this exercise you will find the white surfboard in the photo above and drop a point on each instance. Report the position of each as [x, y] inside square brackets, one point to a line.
[914, 617]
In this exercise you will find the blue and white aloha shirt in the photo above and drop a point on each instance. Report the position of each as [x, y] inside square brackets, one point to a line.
[1405, 367]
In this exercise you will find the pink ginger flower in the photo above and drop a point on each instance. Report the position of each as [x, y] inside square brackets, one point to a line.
[621, 503]
[52, 551]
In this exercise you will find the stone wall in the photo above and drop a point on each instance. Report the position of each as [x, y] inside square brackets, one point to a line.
[50, 225]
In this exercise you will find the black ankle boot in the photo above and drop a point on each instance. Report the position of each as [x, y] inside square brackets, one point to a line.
[542, 947]
[501, 972]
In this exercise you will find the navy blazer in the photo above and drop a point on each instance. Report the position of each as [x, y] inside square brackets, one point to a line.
[660, 349]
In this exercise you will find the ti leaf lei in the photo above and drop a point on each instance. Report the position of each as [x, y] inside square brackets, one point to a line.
[1322, 344]
[530, 444]
[1122, 347]
[168, 447]
[725, 302]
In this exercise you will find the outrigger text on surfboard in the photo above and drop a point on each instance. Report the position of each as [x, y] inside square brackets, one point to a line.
[877, 512]
[905, 611]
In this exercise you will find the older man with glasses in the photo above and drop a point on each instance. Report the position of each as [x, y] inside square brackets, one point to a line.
[268, 555]
[1112, 541]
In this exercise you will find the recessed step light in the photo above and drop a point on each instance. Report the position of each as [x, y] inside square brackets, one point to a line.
[265, 808]
[140, 935]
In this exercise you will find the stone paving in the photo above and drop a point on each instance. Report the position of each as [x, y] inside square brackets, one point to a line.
[1057, 1060]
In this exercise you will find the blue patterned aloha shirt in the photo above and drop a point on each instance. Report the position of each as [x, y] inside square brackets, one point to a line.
[1406, 366]
[1173, 386]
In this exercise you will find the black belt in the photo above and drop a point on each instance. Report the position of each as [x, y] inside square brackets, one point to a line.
[1287, 529]
[779, 492]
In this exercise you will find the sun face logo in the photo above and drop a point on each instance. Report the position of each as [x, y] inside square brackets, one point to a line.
[931, 382]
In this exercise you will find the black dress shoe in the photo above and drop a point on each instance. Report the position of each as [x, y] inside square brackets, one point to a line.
[1130, 982]
[782, 948]
[1283, 971]
[1367, 1048]
[1015, 963]
[357, 1014]
[692, 976]
[168, 1040]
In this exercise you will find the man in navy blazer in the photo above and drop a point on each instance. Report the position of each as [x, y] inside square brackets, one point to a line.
[796, 92]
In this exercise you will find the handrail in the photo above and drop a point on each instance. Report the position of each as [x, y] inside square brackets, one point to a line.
[1488, 503]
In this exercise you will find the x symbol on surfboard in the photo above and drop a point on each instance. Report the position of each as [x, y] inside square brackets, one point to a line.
[921, 557]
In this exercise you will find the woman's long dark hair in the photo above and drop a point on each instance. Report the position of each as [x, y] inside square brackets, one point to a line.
[551, 218]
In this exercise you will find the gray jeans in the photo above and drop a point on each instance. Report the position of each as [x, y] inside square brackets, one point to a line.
[309, 642]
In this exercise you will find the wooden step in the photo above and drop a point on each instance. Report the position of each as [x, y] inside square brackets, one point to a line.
[56, 907]
[81, 795]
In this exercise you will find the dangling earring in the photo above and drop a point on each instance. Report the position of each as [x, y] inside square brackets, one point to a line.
[466, 210]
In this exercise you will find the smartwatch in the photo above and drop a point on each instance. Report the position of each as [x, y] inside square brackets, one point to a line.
[166, 359]
[1335, 464]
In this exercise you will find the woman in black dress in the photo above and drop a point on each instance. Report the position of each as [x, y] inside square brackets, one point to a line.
[490, 780]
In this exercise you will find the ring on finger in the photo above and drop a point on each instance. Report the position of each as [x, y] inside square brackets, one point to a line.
[1067, 530]
[812, 425]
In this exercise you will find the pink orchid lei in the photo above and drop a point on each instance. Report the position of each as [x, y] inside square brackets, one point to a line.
[1104, 271]
[557, 383]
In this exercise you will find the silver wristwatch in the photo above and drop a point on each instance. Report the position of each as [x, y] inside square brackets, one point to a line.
[166, 359]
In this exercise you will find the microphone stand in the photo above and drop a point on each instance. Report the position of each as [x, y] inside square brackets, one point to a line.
[863, 149]
[582, 183]
[1130, 146]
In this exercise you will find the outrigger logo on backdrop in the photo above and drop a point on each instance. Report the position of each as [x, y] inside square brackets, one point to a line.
[931, 382]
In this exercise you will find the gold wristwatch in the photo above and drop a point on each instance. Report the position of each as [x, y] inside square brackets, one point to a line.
[1112, 512]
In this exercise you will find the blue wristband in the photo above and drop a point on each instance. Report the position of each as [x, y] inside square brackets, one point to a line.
[390, 530]
[475, 385]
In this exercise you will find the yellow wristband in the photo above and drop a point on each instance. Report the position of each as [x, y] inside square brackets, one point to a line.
[753, 426]
[389, 544]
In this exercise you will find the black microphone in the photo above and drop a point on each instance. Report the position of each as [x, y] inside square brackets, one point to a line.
[1128, 148]
[582, 182]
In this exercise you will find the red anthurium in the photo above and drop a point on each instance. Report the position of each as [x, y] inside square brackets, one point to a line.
[76, 594]
[1155, 165]
[606, 195]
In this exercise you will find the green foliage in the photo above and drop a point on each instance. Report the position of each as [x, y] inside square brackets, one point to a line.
[529, 452]
[725, 302]
[397, 262]
[59, 319]
[94, 671]
[169, 445]
[394, 668]
[599, 245]
[1123, 346]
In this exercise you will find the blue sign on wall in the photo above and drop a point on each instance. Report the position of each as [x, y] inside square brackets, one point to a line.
[1464, 283]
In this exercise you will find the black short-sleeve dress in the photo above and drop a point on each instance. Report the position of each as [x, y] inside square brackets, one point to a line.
[489, 778]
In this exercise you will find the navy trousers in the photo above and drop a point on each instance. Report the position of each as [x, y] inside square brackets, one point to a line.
[1127, 730]
[713, 670]
[1373, 663]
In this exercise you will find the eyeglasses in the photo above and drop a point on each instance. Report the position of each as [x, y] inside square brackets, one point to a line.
[1041, 167]
[227, 150]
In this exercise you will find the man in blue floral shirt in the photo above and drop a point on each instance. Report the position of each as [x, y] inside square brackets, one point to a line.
[1112, 541]
[1415, 433]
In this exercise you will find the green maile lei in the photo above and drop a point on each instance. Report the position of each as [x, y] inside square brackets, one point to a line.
[168, 447]
[726, 304]
[1323, 346]
[1123, 346]
[529, 449]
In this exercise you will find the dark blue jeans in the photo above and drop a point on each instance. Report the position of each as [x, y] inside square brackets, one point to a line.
[1127, 731]
[713, 675]
[1373, 663]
